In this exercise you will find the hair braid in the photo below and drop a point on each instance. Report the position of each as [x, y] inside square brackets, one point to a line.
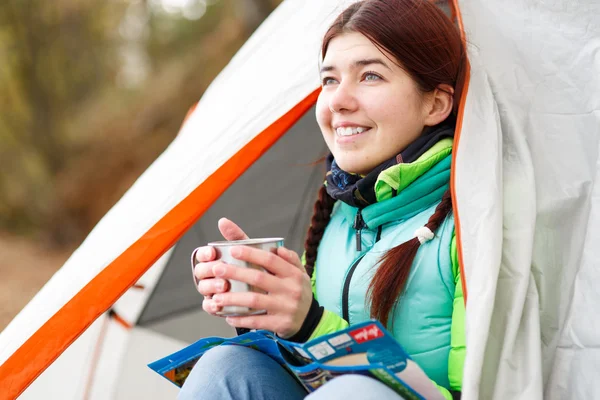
[395, 265]
[321, 215]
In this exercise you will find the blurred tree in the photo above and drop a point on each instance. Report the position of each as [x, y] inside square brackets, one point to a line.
[254, 12]
[56, 54]
[91, 91]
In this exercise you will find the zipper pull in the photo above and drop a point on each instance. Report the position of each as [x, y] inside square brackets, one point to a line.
[359, 223]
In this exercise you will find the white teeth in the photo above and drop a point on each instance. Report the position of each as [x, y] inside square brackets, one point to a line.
[350, 131]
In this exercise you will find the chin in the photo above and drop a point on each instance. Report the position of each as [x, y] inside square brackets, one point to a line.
[351, 167]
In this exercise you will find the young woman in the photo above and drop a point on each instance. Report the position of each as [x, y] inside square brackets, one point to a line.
[381, 242]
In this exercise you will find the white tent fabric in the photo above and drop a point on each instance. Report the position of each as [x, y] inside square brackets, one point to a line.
[525, 180]
[95, 359]
[531, 126]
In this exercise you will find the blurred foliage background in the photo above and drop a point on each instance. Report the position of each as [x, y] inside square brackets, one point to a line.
[91, 92]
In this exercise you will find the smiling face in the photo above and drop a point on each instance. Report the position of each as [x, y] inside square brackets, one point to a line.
[369, 109]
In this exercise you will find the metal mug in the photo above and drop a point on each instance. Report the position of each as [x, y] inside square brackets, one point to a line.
[223, 250]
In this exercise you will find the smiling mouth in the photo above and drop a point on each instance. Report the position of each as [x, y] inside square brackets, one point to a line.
[350, 131]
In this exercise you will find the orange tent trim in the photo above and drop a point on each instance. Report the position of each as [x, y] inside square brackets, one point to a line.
[64, 327]
[119, 320]
[457, 133]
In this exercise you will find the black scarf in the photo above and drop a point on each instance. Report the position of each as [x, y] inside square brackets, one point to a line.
[359, 191]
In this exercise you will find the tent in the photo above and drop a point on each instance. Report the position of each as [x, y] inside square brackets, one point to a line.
[524, 184]
[162, 312]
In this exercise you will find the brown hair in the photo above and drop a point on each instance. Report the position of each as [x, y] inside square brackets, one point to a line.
[428, 46]
[425, 43]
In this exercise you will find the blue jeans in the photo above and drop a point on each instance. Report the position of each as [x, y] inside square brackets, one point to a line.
[240, 373]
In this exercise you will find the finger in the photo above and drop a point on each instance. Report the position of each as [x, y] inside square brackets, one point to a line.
[269, 261]
[291, 257]
[205, 254]
[257, 301]
[209, 287]
[249, 322]
[230, 230]
[210, 307]
[251, 276]
[204, 270]
[273, 323]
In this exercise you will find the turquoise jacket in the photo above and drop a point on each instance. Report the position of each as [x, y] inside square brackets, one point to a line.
[429, 320]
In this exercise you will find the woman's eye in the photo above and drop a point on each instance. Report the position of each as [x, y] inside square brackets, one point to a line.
[328, 81]
[370, 76]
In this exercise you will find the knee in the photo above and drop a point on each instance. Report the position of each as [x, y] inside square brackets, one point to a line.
[347, 383]
[216, 368]
[218, 362]
[223, 359]
[353, 387]
[225, 356]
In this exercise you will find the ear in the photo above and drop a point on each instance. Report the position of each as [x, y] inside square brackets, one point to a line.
[439, 104]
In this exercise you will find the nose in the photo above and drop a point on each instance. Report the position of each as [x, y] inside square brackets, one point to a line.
[343, 99]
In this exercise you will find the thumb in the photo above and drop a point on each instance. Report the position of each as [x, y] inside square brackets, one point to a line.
[230, 230]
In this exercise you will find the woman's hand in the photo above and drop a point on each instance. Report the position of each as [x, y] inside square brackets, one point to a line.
[288, 287]
[208, 285]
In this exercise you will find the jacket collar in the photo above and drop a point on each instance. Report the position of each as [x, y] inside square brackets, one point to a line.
[406, 189]
[361, 191]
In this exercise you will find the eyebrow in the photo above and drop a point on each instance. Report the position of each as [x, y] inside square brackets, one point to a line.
[358, 63]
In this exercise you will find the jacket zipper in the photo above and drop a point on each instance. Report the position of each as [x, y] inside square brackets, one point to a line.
[359, 224]
[346, 291]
